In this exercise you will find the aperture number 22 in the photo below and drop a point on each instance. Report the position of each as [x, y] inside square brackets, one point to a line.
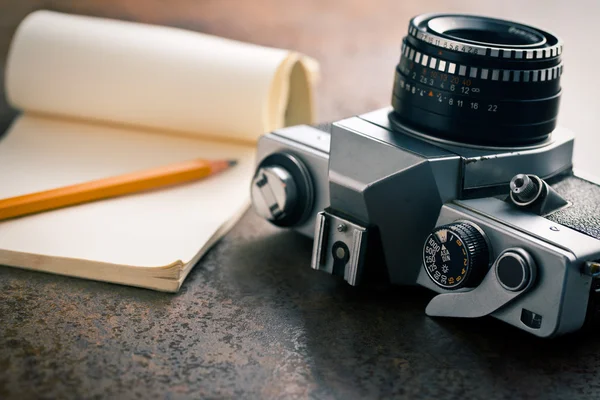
[492, 108]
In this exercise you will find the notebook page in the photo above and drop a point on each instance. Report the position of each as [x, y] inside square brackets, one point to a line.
[146, 229]
[155, 77]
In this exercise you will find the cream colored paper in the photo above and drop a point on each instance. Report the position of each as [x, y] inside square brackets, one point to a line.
[102, 98]
[156, 77]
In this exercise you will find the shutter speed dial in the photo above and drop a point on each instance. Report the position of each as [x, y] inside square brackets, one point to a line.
[456, 255]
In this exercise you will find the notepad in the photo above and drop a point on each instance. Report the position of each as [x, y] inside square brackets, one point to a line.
[103, 97]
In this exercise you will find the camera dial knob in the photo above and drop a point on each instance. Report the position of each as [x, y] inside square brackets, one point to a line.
[274, 193]
[456, 255]
[282, 190]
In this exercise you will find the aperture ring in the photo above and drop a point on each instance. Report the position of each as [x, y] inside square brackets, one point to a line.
[417, 31]
[505, 75]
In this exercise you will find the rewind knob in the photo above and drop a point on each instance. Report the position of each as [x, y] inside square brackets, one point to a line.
[282, 190]
[456, 255]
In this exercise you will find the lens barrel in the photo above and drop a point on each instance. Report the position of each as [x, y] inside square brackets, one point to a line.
[477, 80]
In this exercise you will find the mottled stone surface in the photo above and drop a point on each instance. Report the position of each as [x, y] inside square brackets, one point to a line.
[254, 321]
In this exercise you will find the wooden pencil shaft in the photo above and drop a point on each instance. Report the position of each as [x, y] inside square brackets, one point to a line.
[108, 187]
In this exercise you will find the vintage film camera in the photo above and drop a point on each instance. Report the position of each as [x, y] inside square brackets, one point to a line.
[465, 186]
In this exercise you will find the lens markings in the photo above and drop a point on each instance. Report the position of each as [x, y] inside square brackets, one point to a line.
[435, 40]
[468, 80]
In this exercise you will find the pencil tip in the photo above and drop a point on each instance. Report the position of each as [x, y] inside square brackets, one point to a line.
[232, 162]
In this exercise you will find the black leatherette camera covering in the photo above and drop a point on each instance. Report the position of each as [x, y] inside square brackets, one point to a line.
[583, 214]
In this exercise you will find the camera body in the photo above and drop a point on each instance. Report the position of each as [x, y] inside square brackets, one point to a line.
[502, 230]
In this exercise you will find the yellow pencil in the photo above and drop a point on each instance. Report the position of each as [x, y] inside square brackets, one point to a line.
[110, 187]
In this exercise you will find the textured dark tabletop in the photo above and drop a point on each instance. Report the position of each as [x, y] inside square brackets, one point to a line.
[253, 320]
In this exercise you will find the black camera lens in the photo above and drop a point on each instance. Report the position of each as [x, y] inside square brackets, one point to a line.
[477, 80]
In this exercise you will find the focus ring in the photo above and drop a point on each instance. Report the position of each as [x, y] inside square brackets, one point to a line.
[532, 112]
[492, 74]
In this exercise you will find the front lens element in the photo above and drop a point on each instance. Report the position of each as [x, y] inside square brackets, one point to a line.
[478, 80]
